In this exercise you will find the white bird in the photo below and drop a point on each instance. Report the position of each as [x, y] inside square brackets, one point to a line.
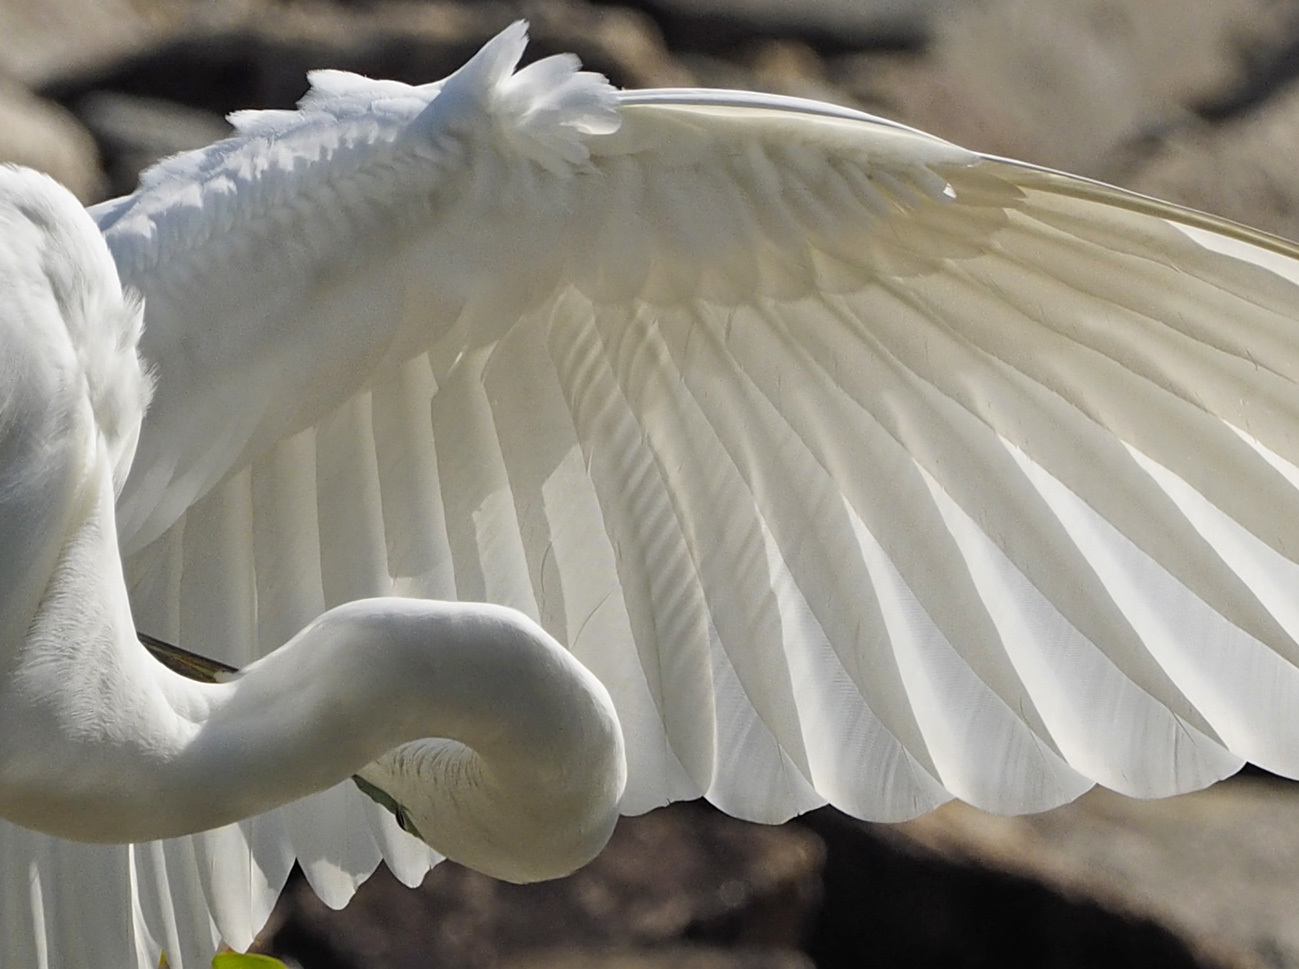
[859, 468]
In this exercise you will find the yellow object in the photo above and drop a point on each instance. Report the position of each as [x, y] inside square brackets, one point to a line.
[238, 960]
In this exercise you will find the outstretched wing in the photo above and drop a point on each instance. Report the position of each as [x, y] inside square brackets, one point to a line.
[861, 468]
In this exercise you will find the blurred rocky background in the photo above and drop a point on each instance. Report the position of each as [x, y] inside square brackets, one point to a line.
[1194, 100]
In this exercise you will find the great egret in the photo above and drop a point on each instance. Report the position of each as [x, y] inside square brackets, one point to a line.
[858, 467]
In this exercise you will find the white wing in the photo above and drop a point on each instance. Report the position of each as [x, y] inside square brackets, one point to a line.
[861, 468]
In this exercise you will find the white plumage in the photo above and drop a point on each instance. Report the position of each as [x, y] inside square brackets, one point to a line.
[858, 467]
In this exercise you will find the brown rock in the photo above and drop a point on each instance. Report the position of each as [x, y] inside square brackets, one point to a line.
[1064, 83]
[41, 39]
[717, 25]
[171, 94]
[41, 135]
[1242, 168]
[683, 873]
[1216, 867]
[135, 132]
[670, 957]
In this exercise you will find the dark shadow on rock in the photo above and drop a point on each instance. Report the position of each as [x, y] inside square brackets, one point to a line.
[830, 28]
[892, 905]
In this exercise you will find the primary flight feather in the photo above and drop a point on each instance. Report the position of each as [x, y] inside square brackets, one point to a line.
[858, 467]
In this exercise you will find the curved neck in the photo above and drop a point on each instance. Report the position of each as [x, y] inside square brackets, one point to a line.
[529, 785]
[132, 751]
